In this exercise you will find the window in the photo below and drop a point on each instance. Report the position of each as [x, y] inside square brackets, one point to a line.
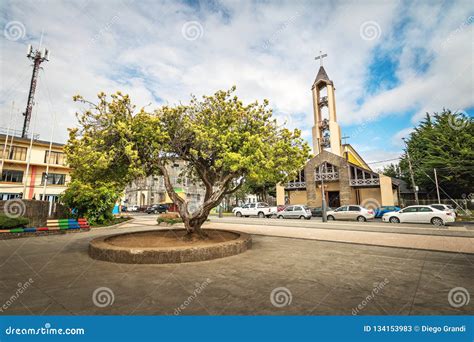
[289, 209]
[424, 209]
[252, 205]
[341, 209]
[54, 179]
[354, 208]
[14, 152]
[410, 210]
[8, 196]
[56, 158]
[13, 176]
[298, 209]
[50, 198]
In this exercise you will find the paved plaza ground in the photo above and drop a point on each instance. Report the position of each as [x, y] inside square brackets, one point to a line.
[305, 276]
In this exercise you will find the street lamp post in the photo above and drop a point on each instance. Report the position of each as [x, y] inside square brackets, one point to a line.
[323, 196]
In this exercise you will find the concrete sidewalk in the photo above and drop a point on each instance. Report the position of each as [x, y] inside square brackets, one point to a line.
[425, 242]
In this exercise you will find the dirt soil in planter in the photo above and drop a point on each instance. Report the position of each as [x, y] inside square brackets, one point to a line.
[168, 238]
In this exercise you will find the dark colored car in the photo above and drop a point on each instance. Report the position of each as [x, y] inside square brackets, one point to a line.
[385, 209]
[318, 211]
[156, 208]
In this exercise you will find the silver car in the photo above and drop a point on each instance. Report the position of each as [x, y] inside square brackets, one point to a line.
[351, 212]
[295, 211]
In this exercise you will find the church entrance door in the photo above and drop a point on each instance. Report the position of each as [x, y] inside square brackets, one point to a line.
[333, 199]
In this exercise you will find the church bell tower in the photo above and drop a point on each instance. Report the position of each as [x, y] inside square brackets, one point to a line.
[326, 130]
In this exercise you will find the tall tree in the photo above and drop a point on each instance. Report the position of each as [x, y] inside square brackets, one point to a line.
[223, 142]
[443, 141]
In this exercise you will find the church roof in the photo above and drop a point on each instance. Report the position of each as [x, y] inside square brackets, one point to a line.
[322, 75]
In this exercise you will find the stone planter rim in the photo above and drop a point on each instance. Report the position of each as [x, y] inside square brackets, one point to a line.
[99, 249]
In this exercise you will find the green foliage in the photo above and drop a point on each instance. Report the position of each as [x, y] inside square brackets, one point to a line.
[95, 202]
[223, 142]
[12, 222]
[170, 221]
[261, 189]
[443, 141]
[391, 170]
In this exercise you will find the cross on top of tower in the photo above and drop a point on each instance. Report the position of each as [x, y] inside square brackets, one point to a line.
[320, 57]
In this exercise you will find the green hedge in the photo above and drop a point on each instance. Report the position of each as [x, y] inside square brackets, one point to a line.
[170, 221]
[12, 222]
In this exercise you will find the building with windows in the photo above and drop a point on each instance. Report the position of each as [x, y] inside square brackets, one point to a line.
[151, 190]
[336, 167]
[23, 170]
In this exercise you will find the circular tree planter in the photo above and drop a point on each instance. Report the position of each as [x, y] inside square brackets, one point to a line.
[167, 246]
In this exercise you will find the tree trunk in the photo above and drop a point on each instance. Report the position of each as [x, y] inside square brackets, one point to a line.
[193, 228]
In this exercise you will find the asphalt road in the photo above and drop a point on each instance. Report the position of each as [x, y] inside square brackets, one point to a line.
[372, 226]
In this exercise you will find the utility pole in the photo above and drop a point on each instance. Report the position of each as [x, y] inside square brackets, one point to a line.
[37, 57]
[437, 186]
[411, 174]
[323, 196]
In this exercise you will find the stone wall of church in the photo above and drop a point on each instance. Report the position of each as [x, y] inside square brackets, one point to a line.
[345, 193]
[297, 197]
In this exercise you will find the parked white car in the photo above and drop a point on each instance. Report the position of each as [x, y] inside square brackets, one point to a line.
[420, 214]
[259, 209]
[444, 207]
[133, 208]
[295, 211]
[351, 212]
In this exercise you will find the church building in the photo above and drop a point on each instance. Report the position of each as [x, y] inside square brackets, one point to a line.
[346, 177]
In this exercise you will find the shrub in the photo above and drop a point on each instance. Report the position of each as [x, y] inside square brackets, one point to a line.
[12, 222]
[170, 218]
[95, 202]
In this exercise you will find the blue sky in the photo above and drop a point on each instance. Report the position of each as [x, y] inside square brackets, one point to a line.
[391, 61]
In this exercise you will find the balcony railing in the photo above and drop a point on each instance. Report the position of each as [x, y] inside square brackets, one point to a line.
[365, 182]
[295, 185]
[327, 176]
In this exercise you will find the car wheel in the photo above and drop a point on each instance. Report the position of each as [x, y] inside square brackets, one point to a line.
[361, 218]
[281, 217]
[238, 214]
[394, 220]
[302, 217]
[330, 218]
[436, 221]
[261, 215]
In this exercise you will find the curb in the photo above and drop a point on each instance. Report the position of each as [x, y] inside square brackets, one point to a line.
[117, 225]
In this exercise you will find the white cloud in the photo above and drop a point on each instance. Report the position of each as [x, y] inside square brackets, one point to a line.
[266, 49]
